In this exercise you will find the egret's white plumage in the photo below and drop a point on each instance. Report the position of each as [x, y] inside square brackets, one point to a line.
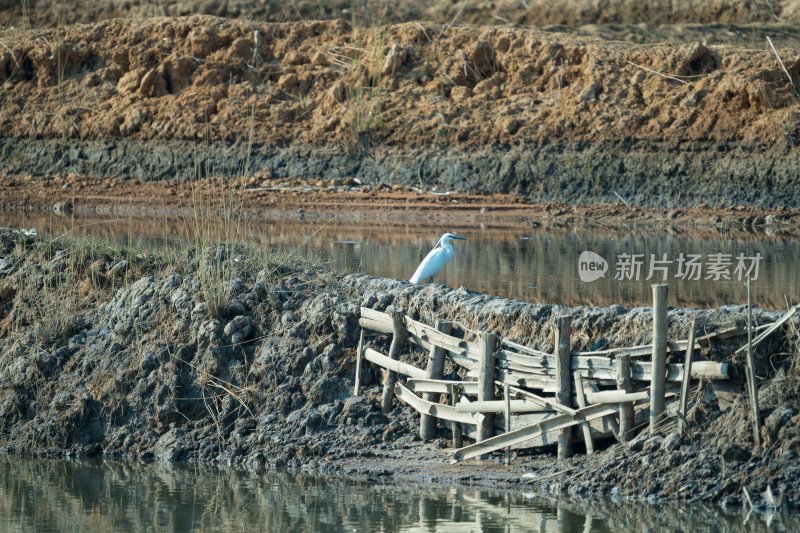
[436, 259]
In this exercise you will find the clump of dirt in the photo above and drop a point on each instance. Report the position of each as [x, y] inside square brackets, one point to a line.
[222, 354]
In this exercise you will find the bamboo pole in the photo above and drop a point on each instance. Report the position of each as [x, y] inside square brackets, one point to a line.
[488, 342]
[564, 383]
[657, 382]
[686, 379]
[751, 374]
[458, 439]
[518, 436]
[398, 342]
[359, 352]
[581, 399]
[626, 413]
[399, 367]
[435, 369]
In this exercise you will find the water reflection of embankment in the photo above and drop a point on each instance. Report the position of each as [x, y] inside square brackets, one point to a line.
[530, 264]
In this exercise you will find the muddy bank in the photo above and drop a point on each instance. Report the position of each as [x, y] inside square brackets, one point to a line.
[644, 173]
[513, 110]
[225, 355]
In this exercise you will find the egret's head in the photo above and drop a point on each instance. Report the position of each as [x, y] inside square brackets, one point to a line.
[448, 237]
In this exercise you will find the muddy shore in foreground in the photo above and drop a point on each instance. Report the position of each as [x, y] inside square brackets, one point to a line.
[222, 354]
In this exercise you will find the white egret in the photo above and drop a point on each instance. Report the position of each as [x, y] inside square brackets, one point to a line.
[436, 259]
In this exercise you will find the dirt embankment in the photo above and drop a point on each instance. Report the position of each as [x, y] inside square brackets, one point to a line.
[51, 13]
[543, 114]
[222, 355]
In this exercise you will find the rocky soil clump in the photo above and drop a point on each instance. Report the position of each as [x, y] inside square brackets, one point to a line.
[226, 354]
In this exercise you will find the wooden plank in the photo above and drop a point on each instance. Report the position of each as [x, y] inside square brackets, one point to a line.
[511, 438]
[523, 349]
[399, 338]
[626, 411]
[685, 384]
[518, 380]
[435, 369]
[441, 386]
[613, 396]
[551, 403]
[581, 400]
[374, 325]
[464, 361]
[445, 412]
[499, 406]
[400, 367]
[601, 367]
[602, 428]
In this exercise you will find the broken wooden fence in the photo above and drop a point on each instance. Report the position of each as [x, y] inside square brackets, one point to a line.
[540, 398]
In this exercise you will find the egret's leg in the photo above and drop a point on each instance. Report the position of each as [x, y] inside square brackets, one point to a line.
[430, 279]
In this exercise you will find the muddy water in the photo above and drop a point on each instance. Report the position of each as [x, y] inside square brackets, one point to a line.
[48, 496]
[529, 264]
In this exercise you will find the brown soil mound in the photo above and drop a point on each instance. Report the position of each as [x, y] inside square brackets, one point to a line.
[50, 13]
[411, 84]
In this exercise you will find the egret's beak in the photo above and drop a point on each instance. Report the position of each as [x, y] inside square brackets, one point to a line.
[462, 238]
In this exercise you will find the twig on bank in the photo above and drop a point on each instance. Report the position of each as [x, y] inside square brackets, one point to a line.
[659, 73]
[782, 65]
[623, 199]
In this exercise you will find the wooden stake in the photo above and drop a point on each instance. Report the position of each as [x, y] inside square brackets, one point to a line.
[564, 383]
[687, 373]
[657, 382]
[359, 351]
[398, 342]
[458, 440]
[581, 398]
[486, 384]
[624, 383]
[508, 420]
[427, 423]
[751, 373]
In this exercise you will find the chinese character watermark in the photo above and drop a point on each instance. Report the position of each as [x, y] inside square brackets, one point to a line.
[689, 267]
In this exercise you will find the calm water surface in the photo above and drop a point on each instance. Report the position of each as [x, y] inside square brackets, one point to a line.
[54, 496]
[529, 264]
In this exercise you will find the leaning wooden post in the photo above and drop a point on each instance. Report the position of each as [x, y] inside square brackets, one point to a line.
[359, 353]
[398, 342]
[563, 381]
[624, 383]
[581, 399]
[486, 384]
[427, 423]
[687, 377]
[658, 379]
[751, 371]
